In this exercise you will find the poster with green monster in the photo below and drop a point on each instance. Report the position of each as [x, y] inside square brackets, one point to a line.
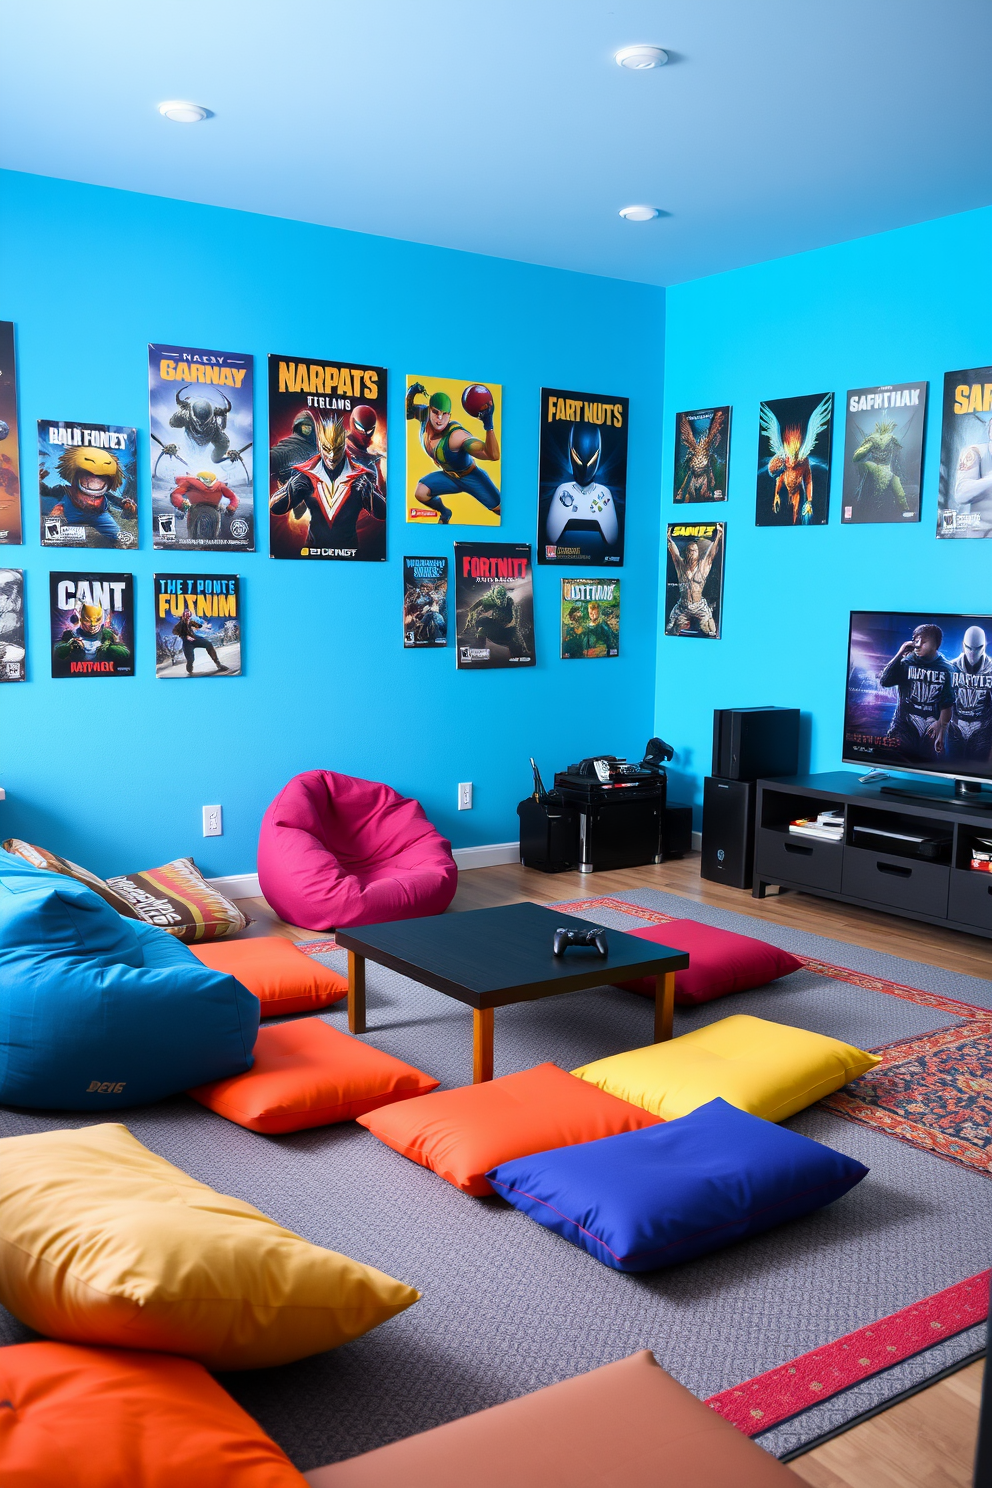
[883, 453]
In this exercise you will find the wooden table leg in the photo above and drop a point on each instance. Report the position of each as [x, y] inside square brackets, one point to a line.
[664, 1006]
[482, 1045]
[356, 992]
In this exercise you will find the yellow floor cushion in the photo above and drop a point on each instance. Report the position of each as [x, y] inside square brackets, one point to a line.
[102, 1241]
[766, 1068]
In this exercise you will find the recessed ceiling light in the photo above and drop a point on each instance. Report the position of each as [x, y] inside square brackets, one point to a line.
[641, 58]
[181, 112]
[639, 214]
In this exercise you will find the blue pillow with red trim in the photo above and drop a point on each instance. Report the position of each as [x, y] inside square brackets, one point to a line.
[652, 1198]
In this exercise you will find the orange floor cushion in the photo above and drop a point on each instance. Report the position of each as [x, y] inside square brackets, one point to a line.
[284, 979]
[123, 1418]
[461, 1134]
[307, 1074]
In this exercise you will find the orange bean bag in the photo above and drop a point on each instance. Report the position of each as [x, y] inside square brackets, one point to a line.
[283, 978]
[463, 1133]
[306, 1074]
[75, 1417]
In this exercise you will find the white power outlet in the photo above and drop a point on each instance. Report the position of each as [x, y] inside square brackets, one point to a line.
[213, 821]
[465, 796]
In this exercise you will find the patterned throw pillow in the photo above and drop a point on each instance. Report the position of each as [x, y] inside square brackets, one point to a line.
[177, 898]
[42, 857]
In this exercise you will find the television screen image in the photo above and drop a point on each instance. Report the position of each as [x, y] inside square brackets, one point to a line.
[919, 693]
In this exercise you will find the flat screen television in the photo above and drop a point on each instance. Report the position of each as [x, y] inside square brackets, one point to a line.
[919, 695]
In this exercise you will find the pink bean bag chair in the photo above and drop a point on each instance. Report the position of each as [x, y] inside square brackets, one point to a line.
[338, 851]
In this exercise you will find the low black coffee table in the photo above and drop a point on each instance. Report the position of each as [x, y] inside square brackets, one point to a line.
[488, 958]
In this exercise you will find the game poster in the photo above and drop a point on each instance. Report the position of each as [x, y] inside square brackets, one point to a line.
[453, 443]
[590, 618]
[794, 461]
[201, 450]
[425, 602]
[919, 692]
[583, 478]
[702, 454]
[694, 579]
[883, 453]
[327, 460]
[10, 461]
[88, 480]
[964, 495]
[494, 601]
[12, 644]
[197, 625]
[92, 617]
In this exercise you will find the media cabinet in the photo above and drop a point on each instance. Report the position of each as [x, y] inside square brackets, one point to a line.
[931, 882]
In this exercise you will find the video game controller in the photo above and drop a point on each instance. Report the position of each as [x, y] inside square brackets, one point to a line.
[565, 938]
[575, 503]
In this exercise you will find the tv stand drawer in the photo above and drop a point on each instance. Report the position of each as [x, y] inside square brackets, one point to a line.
[905, 883]
[785, 856]
[970, 898]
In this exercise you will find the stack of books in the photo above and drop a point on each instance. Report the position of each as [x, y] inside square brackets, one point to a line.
[981, 855]
[828, 826]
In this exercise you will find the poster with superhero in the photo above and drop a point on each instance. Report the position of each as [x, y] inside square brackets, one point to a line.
[964, 494]
[453, 433]
[327, 460]
[794, 461]
[883, 453]
[12, 644]
[694, 579]
[10, 460]
[702, 454]
[582, 495]
[92, 617]
[494, 603]
[590, 618]
[88, 483]
[425, 602]
[197, 625]
[201, 450]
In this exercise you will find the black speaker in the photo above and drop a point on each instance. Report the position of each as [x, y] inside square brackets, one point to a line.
[754, 743]
[728, 831]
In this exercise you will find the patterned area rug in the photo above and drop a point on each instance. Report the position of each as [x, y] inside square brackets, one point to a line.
[932, 1091]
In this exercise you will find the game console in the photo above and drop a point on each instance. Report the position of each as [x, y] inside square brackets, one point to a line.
[566, 938]
[575, 503]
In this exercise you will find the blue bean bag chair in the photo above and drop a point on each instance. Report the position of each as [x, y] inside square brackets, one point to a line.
[98, 1012]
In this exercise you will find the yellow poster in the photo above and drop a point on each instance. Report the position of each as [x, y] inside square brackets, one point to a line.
[453, 436]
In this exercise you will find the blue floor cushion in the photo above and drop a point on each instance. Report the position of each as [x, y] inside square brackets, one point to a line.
[646, 1199]
[99, 1012]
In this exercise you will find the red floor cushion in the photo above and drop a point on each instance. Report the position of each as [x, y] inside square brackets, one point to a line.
[334, 850]
[306, 1074]
[76, 1417]
[720, 961]
[461, 1134]
[282, 977]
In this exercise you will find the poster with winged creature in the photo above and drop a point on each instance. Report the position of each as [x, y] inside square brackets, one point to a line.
[794, 461]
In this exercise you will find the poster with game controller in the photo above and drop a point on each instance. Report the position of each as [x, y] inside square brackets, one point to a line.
[582, 496]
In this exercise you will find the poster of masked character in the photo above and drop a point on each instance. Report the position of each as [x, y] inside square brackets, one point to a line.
[964, 495]
[12, 646]
[883, 453]
[92, 618]
[87, 480]
[453, 432]
[197, 625]
[494, 602]
[327, 460]
[201, 450]
[10, 462]
[583, 478]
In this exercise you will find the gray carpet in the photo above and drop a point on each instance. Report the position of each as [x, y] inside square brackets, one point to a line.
[507, 1306]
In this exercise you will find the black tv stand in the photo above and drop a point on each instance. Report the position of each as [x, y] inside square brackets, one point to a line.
[959, 793]
[903, 850]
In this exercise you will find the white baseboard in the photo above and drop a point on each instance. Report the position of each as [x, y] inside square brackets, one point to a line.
[697, 841]
[237, 886]
[489, 856]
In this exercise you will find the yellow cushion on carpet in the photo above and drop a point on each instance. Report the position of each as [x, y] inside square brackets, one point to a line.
[102, 1241]
[766, 1068]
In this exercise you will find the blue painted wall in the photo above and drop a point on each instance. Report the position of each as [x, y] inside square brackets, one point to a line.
[899, 307]
[114, 771]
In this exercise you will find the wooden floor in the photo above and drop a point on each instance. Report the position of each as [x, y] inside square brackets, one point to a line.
[929, 1440]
